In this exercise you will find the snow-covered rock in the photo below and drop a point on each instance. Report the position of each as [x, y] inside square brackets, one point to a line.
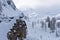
[9, 14]
[8, 9]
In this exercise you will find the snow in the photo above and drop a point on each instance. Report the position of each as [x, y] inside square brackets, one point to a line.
[36, 32]
[8, 9]
[5, 25]
[33, 32]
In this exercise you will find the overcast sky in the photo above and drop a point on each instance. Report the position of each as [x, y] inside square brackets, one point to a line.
[36, 3]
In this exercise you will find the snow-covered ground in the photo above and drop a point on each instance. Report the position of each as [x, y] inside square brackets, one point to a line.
[34, 32]
[37, 33]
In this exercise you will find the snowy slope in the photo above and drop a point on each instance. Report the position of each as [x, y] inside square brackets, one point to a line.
[36, 32]
[8, 11]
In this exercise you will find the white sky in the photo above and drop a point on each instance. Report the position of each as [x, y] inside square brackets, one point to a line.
[36, 3]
